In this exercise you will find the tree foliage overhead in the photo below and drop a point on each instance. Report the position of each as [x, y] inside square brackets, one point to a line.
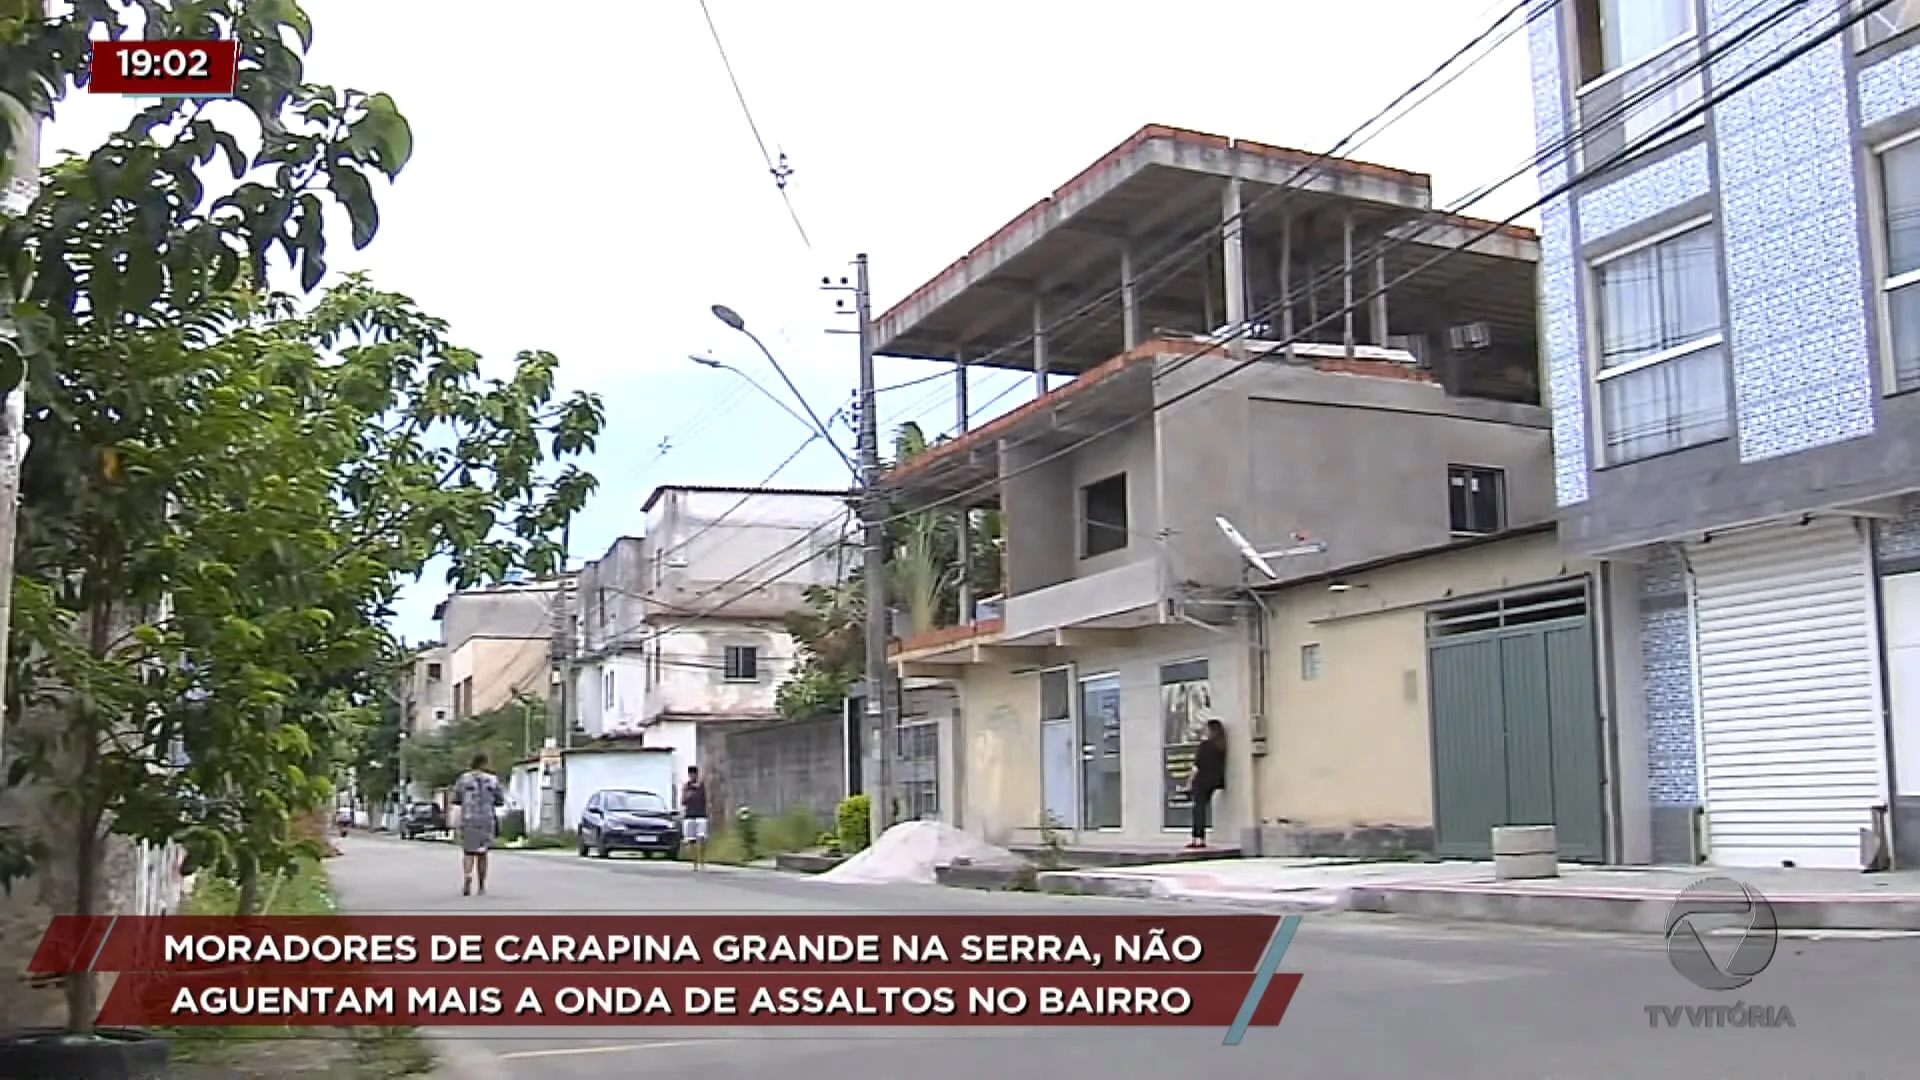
[923, 576]
[227, 486]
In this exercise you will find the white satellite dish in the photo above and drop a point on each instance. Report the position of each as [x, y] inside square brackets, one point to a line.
[1247, 551]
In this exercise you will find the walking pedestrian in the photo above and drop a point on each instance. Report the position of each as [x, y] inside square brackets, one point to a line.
[693, 815]
[479, 796]
[1209, 776]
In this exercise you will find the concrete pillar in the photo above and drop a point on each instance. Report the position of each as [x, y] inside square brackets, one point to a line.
[1129, 300]
[1377, 317]
[1233, 266]
[1039, 347]
[1525, 852]
[1346, 284]
[1207, 310]
[1286, 283]
[964, 539]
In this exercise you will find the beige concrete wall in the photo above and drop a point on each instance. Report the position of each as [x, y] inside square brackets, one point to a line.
[499, 667]
[1352, 746]
[1000, 730]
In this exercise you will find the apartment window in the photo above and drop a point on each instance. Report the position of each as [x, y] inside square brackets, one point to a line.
[1310, 662]
[1476, 500]
[1900, 210]
[742, 663]
[1103, 516]
[1890, 21]
[1662, 365]
[1638, 68]
[433, 672]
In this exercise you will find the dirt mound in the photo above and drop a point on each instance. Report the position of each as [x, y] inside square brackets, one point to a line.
[909, 853]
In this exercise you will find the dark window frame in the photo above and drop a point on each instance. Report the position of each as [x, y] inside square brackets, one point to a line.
[1472, 512]
[740, 663]
[1102, 535]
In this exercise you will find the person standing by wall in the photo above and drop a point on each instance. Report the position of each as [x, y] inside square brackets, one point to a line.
[1209, 777]
[693, 815]
[478, 795]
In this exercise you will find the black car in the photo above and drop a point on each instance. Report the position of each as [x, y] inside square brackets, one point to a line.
[422, 819]
[629, 821]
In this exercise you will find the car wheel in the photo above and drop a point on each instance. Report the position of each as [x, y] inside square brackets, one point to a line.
[584, 849]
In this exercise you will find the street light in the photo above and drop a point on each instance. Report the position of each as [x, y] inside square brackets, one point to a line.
[733, 320]
[708, 361]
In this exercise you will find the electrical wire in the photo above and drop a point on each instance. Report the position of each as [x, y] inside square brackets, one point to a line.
[1672, 126]
[779, 170]
[758, 489]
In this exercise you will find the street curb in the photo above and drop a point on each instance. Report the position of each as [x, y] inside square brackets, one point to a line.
[1142, 887]
[1619, 911]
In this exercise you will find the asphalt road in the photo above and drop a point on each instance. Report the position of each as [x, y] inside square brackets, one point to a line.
[1381, 998]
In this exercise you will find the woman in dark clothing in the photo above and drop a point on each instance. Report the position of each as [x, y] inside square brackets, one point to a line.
[1209, 776]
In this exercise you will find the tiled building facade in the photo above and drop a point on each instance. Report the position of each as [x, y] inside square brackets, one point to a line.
[1727, 228]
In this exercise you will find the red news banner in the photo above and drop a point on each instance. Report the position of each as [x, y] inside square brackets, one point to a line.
[1188, 971]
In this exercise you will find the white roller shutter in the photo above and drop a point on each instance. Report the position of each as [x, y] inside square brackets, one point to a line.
[1792, 744]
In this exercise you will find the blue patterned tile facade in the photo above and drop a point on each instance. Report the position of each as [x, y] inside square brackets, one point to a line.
[1559, 280]
[1666, 664]
[1890, 87]
[1645, 192]
[1797, 318]
[1898, 540]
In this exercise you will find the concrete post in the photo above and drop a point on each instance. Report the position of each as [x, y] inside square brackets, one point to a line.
[1039, 347]
[964, 534]
[1525, 852]
[1129, 300]
[1233, 267]
[1286, 283]
[1346, 284]
[1377, 315]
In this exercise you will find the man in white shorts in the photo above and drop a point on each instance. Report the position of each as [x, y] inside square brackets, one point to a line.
[693, 815]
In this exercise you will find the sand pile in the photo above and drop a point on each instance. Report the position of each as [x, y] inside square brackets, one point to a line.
[908, 854]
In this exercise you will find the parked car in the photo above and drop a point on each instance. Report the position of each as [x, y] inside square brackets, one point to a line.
[422, 819]
[623, 820]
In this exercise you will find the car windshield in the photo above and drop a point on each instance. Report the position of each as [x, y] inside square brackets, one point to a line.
[424, 808]
[645, 802]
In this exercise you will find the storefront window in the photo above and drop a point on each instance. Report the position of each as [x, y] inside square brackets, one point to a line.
[1186, 704]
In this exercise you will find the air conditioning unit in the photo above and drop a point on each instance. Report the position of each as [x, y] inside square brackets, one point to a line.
[1473, 335]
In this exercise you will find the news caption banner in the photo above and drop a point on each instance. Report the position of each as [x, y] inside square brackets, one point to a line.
[824, 970]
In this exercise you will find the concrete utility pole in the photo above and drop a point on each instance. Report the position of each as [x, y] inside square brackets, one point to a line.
[874, 542]
[19, 186]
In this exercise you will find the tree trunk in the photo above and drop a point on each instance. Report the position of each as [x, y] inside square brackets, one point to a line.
[247, 886]
[82, 989]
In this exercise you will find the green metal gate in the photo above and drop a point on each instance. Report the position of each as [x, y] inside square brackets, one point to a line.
[1516, 722]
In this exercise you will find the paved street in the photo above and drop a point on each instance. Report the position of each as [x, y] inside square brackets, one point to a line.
[1380, 999]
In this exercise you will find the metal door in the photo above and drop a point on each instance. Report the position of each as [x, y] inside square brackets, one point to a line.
[1516, 723]
[1100, 752]
[1059, 751]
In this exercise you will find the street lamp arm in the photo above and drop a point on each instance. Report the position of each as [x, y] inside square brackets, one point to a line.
[818, 424]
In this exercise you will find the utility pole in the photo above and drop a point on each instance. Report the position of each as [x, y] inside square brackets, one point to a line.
[874, 542]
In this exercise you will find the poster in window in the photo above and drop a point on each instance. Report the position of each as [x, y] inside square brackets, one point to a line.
[1186, 704]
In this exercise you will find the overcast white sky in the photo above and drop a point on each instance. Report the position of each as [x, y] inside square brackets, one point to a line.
[586, 183]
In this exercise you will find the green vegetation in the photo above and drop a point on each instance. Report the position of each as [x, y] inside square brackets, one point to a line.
[750, 839]
[506, 735]
[854, 823]
[228, 485]
[922, 572]
[289, 1053]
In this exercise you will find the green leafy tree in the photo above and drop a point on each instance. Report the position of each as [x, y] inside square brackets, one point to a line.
[438, 758]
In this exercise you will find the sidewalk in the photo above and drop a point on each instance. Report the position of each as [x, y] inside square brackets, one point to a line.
[1617, 899]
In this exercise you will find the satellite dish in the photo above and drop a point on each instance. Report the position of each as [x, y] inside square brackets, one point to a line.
[1247, 551]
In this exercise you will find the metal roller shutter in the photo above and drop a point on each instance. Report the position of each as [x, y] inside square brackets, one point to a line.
[1792, 744]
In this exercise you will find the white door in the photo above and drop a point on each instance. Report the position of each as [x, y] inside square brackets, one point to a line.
[1792, 746]
[1900, 606]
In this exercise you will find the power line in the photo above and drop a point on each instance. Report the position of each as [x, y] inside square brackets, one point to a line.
[780, 170]
[1672, 126]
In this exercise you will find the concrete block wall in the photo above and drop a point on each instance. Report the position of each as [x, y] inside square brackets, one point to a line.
[1666, 661]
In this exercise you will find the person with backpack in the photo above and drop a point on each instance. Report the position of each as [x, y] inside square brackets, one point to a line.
[479, 796]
